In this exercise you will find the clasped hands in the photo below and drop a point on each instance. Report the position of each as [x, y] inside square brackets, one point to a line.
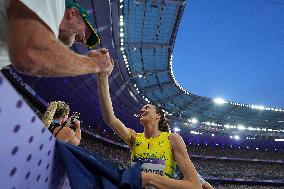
[102, 57]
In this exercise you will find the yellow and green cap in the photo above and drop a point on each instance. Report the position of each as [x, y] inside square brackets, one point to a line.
[94, 39]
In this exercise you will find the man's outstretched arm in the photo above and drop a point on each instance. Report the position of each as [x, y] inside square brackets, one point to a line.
[35, 50]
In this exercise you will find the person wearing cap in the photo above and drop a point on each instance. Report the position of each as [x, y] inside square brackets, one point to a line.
[34, 36]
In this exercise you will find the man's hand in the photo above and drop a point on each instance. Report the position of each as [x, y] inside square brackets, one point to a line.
[102, 58]
[145, 179]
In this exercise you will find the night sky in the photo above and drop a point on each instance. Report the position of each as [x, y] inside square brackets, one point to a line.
[233, 49]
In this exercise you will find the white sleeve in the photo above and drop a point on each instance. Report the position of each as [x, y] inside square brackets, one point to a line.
[49, 11]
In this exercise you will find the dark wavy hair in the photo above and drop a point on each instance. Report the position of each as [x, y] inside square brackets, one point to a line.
[164, 121]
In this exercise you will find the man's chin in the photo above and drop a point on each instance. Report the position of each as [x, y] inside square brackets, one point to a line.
[67, 42]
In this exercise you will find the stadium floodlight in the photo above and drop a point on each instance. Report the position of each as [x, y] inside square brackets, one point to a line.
[237, 137]
[177, 130]
[213, 135]
[121, 6]
[194, 120]
[231, 136]
[121, 34]
[258, 107]
[121, 1]
[122, 48]
[241, 127]
[256, 148]
[279, 140]
[219, 101]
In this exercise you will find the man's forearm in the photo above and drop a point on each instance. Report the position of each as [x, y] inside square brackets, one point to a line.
[54, 59]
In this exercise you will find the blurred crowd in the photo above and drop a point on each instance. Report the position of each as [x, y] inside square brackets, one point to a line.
[114, 153]
[228, 169]
[243, 186]
[235, 152]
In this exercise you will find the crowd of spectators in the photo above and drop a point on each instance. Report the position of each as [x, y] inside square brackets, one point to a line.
[244, 186]
[103, 133]
[228, 169]
[109, 151]
[229, 152]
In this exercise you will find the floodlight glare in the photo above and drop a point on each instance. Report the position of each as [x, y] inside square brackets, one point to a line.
[176, 129]
[194, 120]
[219, 101]
[241, 127]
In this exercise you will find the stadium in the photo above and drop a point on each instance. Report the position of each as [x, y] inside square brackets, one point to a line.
[231, 144]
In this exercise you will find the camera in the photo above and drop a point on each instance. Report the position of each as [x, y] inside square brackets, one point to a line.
[72, 120]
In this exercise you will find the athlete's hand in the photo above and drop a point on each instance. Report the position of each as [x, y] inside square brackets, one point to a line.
[101, 58]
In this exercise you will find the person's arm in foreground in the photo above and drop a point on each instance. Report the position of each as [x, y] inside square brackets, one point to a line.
[190, 180]
[107, 110]
[35, 50]
[206, 185]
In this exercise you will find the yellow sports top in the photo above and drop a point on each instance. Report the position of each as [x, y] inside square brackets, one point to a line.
[155, 153]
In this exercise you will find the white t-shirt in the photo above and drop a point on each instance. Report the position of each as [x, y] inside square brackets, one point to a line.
[49, 11]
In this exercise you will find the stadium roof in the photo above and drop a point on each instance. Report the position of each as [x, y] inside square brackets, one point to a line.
[147, 33]
[140, 35]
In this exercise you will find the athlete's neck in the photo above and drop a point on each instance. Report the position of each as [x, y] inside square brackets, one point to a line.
[151, 131]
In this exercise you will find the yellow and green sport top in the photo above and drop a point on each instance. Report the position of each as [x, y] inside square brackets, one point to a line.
[155, 153]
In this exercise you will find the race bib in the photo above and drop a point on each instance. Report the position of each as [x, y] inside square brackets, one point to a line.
[151, 165]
